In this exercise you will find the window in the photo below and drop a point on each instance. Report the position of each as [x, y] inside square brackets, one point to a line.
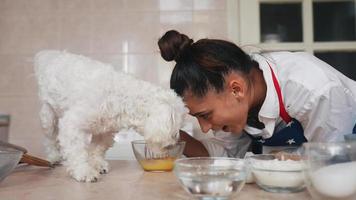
[326, 28]
[281, 22]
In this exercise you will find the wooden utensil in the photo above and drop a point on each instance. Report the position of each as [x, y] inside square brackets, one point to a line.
[32, 160]
[27, 158]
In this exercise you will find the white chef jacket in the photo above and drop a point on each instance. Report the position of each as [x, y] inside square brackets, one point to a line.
[321, 98]
[225, 144]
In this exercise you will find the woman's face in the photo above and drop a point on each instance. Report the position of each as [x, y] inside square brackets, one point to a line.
[225, 110]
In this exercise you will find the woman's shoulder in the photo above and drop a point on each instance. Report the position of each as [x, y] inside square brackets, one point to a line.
[303, 68]
[296, 66]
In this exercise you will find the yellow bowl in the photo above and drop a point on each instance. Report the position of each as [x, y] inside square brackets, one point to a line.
[164, 164]
[158, 162]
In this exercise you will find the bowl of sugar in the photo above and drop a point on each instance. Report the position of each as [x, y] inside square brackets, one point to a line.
[330, 170]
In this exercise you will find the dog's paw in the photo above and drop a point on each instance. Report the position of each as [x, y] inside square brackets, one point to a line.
[54, 159]
[104, 167]
[85, 174]
[55, 163]
[101, 165]
[87, 178]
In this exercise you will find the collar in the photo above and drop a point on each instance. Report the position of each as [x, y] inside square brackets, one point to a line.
[269, 111]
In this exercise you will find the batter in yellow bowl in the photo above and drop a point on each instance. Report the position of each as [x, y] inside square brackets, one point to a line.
[163, 164]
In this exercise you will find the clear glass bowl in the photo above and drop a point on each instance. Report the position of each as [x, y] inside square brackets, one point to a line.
[9, 158]
[275, 173]
[211, 178]
[330, 171]
[157, 161]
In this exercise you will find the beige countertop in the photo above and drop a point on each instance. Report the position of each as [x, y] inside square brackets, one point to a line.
[126, 180]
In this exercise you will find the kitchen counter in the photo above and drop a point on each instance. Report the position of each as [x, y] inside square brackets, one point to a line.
[126, 180]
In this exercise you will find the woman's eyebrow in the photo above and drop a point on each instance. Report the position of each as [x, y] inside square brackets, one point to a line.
[201, 113]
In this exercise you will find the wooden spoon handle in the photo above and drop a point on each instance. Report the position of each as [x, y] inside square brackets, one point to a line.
[32, 160]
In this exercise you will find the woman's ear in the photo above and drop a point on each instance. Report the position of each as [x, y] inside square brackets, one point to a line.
[237, 86]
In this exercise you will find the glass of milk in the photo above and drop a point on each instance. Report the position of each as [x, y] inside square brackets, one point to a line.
[330, 170]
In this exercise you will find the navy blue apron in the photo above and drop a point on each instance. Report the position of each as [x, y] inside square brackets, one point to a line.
[291, 135]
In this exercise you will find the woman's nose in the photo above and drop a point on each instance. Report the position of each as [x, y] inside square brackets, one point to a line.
[205, 126]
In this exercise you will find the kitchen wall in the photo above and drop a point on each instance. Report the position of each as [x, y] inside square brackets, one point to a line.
[121, 32]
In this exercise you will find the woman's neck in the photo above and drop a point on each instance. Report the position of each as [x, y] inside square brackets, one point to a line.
[258, 88]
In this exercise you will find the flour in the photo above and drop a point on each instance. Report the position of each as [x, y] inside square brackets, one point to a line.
[278, 165]
[277, 173]
[337, 181]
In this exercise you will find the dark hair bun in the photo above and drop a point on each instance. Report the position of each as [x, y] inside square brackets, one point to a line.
[172, 44]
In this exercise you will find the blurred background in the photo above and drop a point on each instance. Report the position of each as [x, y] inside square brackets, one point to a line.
[125, 34]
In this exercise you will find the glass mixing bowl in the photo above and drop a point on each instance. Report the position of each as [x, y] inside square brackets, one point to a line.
[274, 173]
[9, 158]
[330, 170]
[211, 178]
[157, 161]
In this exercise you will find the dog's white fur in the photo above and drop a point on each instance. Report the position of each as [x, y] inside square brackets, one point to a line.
[85, 102]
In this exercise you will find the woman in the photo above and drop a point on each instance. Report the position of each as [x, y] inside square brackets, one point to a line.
[278, 98]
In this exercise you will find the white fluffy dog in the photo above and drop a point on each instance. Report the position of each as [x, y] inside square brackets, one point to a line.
[85, 102]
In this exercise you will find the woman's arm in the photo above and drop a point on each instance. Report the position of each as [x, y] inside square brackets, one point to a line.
[331, 116]
[325, 114]
[193, 148]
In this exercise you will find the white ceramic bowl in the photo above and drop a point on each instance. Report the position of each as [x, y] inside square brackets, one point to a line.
[211, 178]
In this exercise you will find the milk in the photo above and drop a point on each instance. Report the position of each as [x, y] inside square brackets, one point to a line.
[335, 181]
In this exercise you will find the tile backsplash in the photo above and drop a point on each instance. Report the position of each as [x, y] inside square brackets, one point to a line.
[121, 32]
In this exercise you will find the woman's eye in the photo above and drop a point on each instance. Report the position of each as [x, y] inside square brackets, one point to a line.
[205, 116]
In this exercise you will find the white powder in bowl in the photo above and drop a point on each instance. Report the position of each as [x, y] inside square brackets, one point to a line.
[278, 165]
[337, 181]
[278, 173]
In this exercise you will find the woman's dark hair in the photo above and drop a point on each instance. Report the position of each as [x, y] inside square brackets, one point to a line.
[202, 65]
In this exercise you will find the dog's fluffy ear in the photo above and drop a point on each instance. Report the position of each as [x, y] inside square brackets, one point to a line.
[163, 124]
